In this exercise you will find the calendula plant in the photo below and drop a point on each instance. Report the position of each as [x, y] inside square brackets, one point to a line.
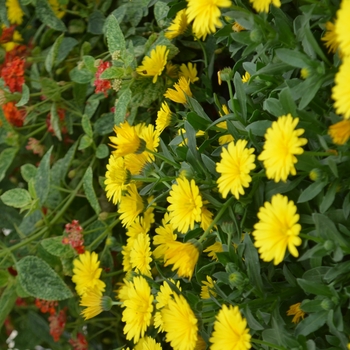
[174, 174]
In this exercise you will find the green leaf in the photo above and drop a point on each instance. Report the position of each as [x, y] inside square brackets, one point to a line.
[95, 22]
[160, 13]
[91, 106]
[17, 198]
[7, 301]
[241, 95]
[4, 278]
[42, 178]
[197, 122]
[311, 323]
[209, 164]
[102, 151]
[293, 58]
[328, 199]
[65, 48]
[90, 192]
[85, 122]
[114, 35]
[85, 142]
[6, 158]
[81, 76]
[39, 280]
[55, 121]
[48, 17]
[312, 84]
[311, 192]
[311, 287]
[273, 106]
[287, 102]
[259, 127]
[55, 247]
[104, 124]
[4, 19]
[121, 107]
[52, 54]
[112, 73]
[25, 96]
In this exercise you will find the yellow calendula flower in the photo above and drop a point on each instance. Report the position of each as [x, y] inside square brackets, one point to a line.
[185, 204]
[340, 132]
[86, 273]
[235, 165]
[150, 136]
[140, 254]
[182, 88]
[246, 77]
[94, 304]
[230, 330]
[295, 311]
[126, 141]
[153, 65]
[213, 249]
[342, 27]
[207, 288]
[180, 324]
[138, 309]
[183, 257]
[263, 5]
[165, 293]
[163, 117]
[178, 25]
[147, 343]
[281, 147]
[277, 229]
[205, 15]
[341, 89]
[330, 38]
[14, 12]
[135, 162]
[189, 71]
[164, 236]
[206, 217]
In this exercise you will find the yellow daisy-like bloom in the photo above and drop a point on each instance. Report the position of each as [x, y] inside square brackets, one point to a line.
[213, 249]
[182, 88]
[230, 330]
[263, 5]
[151, 138]
[180, 324]
[57, 8]
[205, 15]
[235, 165]
[165, 293]
[341, 89]
[189, 72]
[246, 77]
[340, 132]
[185, 204]
[163, 117]
[140, 225]
[116, 178]
[178, 25]
[207, 288]
[136, 162]
[14, 12]
[330, 38]
[122, 293]
[295, 311]
[153, 65]
[131, 205]
[206, 217]
[92, 301]
[277, 229]
[223, 125]
[342, 27]
[86, 273]
[138, 309]
[281, 145]
[140, 254]
[147, 343]
[126, 140]
[183, 257]
[164, 236]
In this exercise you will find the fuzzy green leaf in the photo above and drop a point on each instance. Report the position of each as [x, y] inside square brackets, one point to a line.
[17, 198]
[90, 192]
[42, 178]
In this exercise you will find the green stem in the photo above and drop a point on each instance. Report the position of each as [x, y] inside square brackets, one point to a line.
[311, 238]
[115, 273]
[43, 127]
[271, 346]
[318, 154]
[104, 234]
[175, 165]
[216, 219]
[204, 55]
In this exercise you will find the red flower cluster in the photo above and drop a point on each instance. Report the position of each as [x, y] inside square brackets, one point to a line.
[12, 71]
[46, 306]
[57, 324]
[102, 85]
[7, 34]
[80, 343]
[75, 237]
[13, 115]
[62, 123]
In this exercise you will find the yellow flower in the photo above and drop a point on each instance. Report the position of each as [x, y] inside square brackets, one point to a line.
[340, 132]
[246, 77]
[92, 301]
[140, 254]
[223, 125]
[138, 309]
[277, 229]
[163, 117]
[304, 73]
[341, 89]
[281, 145]
[263, 5]
[205, 15]
[189, 72]
[16, 39]
[178, 25]
[206, 217]
[126, 140]
[14, 12]
[153, 66]
[147, 343]
[136, 162]
[185, 205]
[122, 293]
[213, 249]
[164, 235]
[182, 88]
[116, 178]
[342, 27]
[230, 330]
[295, 311]
[57, 8]
[131, 205]
[201, 344]
[235, 165]
[207, 288]
[151, 138]
[165, 293]
[183, 257]
[180, 324]
[86, 273]
[330, 38]
[236, 27]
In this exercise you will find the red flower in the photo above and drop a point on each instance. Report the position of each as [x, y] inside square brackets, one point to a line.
[75, 237]
[80, 343]
[57, 324]
[13, 73]
[13, 115]
[102, 85]
[46, 306]
[61, 118]
[7, 34]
